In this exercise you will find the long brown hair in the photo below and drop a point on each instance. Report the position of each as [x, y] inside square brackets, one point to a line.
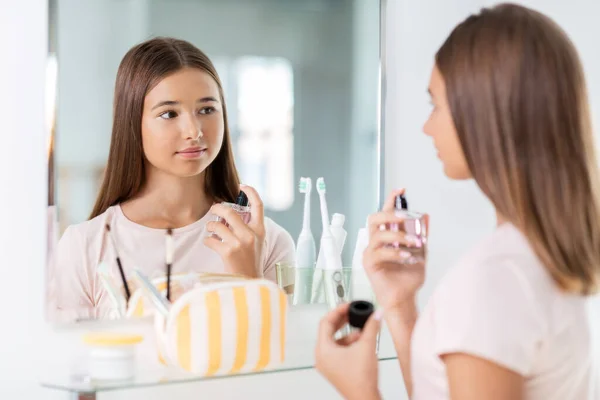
[517, 94]
[142, 68]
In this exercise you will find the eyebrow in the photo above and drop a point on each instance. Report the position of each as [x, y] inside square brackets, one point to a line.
[207, 99]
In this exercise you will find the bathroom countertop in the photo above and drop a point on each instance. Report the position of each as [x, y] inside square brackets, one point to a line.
[300, 344]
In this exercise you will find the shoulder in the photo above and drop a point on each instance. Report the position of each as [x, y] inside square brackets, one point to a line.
[504, 257]
[276, 234]
[501, 277]
[279, 248]
[87, 231]
[500, 303]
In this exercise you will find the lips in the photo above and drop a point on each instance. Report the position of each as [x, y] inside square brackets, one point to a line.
[192, 152]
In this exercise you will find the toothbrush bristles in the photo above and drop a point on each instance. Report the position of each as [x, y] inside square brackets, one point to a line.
[321, 185]
[305, 185]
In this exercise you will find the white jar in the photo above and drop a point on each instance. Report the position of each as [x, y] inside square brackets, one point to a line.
[112, 356]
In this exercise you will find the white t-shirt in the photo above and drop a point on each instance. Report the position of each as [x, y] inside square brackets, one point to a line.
[75, 291]
[499, 303]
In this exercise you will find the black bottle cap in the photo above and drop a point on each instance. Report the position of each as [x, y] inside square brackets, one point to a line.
[401, 203]
[359, 312]
[242, 199]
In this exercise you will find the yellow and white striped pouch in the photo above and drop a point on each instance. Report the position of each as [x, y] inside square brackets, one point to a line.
[140, 306]
[225, 328]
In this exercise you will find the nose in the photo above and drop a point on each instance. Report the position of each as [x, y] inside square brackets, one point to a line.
[192, 129]
[427, 128]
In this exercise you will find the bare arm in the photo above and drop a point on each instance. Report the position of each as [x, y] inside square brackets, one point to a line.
[473, 378]
[401, 322]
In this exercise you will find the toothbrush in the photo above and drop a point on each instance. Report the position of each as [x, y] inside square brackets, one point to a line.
[317, 286]
[317, 289]
[333, 282]
[305, 251]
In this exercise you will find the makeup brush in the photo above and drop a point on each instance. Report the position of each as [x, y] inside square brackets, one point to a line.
[114, 244]
[169, 249]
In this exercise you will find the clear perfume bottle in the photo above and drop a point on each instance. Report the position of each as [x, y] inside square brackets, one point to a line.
[240, 206]
[415, 229]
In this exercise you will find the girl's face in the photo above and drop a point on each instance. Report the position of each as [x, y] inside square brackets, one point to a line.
[440, 127]
[182, 123]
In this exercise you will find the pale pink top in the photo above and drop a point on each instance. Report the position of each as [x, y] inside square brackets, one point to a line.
[500, 304]
[75, 289]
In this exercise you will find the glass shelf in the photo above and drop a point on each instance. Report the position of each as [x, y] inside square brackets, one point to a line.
[302, 327]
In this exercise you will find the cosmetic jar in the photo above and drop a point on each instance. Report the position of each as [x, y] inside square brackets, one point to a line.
[112, 355]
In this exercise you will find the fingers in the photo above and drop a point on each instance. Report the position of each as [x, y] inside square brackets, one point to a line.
[216, 245]
[371, 328]
[383, 219]
[383, 256]
[349, 339]
[391, 200]
[226, 241]
[383, 238]
[256, 205]
[332, 322]
[222, 231]
[235, 222]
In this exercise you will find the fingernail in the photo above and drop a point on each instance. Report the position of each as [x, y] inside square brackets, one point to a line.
[378, 314]
[413, 240]
[404, 255]
[243, 185]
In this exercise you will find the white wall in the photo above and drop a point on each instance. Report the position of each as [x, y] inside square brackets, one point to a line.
[22, 194]
[416, 29]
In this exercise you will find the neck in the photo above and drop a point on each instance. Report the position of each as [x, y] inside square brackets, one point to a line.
[168, 201]
[500, 219]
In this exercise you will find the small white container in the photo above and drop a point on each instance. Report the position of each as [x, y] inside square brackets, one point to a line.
[112, 356]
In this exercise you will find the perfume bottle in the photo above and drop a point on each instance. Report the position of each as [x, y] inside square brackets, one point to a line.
[415, 230]
[240, 206]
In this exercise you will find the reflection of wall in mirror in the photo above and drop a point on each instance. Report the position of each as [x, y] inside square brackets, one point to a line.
[328, 48]
[260, 97]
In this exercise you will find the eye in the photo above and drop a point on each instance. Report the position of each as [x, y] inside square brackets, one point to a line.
[207, 110]
[168, 115]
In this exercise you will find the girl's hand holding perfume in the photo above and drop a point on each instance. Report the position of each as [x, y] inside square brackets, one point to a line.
[395, 258]
[239, 233]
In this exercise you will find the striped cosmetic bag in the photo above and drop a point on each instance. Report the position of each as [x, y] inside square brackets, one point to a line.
[140, 306]
[225, 328]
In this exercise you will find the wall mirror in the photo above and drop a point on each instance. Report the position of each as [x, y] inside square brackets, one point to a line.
[302, 84]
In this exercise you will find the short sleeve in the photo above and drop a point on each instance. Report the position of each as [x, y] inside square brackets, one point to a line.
[489, 311]
[279, 248]
[69, 281]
